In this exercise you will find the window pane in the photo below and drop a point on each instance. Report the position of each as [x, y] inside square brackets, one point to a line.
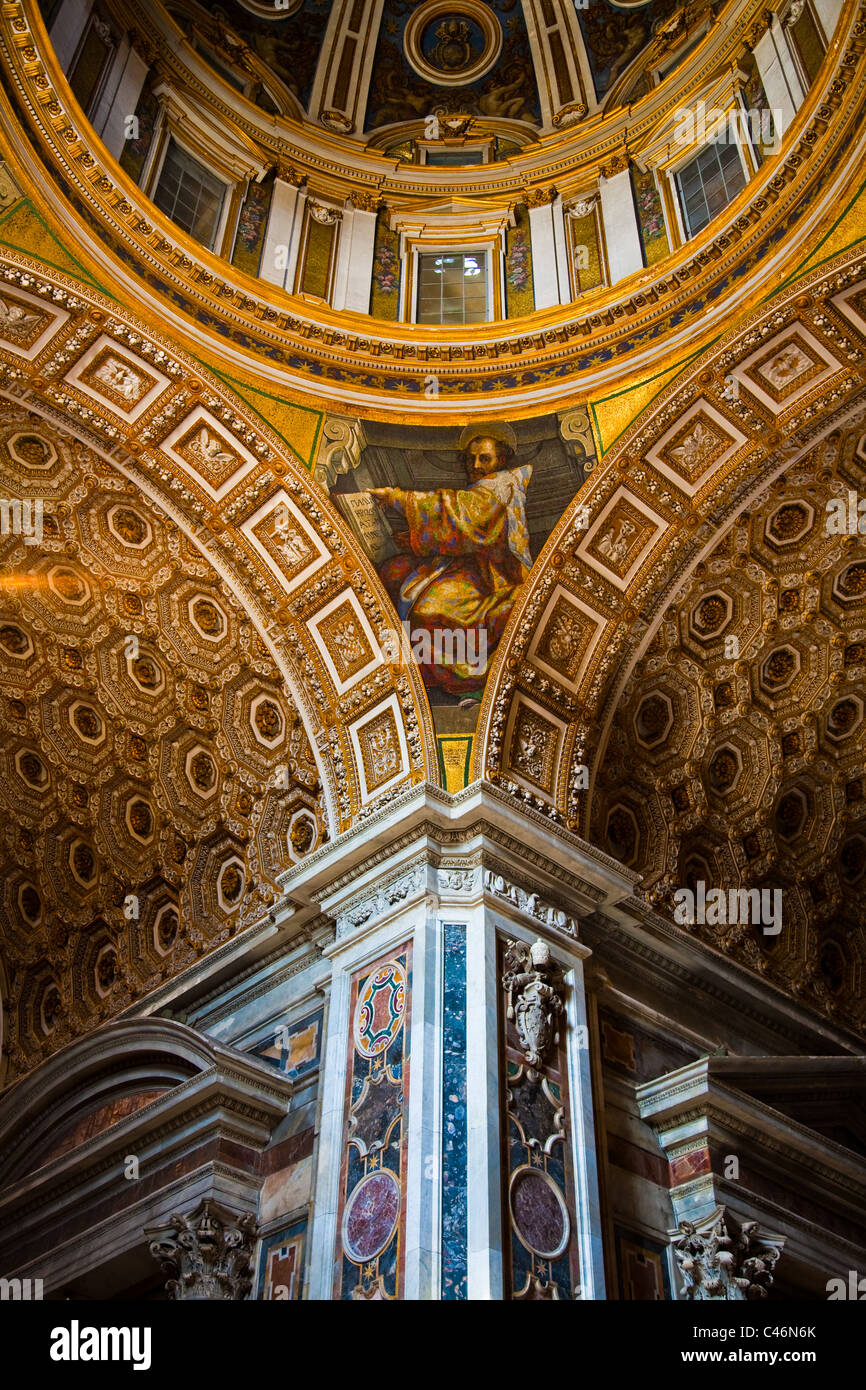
[708, 183]
[90, 65]
[190, 194]
[452, 287]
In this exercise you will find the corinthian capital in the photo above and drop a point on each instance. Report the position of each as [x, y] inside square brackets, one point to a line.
[720, 1260]
[207, 1254]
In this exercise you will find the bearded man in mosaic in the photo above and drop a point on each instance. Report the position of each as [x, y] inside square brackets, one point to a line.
[468, 552]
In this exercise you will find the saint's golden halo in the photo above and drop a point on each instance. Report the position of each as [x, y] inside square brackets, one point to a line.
[503, 434]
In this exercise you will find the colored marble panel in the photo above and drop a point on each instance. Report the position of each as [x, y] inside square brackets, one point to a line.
[540, 1241]
[643, 1268]
[379, 1012]
[369, 1257]
[538, 1213]
[293, 1047]
[371, 1214]
[454, 1119]
[281, 1264]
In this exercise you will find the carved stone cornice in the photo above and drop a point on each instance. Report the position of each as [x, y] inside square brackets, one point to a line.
[617, 164]
[364, 200]
[495, 809]
[636, 938]
[499, 882]
[539, 197]
[391, 896]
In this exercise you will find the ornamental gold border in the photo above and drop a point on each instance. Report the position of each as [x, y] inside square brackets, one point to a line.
[433, 9]
[366, 371]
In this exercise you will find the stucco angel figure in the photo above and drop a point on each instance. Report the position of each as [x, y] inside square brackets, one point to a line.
[465, 553]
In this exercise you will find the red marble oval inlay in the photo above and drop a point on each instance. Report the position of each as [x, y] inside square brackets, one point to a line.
[539, 1214]
[371, 1215]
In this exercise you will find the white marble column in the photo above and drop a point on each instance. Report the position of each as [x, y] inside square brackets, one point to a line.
[549, 254]
[283, 235]
[353, 276]
[622, 236]
[124, 94]
[828, 13]
[454, 878]
[779, 74]
[67, 28]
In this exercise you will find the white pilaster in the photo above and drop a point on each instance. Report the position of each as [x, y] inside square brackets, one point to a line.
[360, 239]
[828, 13]
[484, 1161]
[327, 1189]
[584, 1142]
[621, 232]
[124, 101]
[779, 74]
[549, 255]
[344, 252]
[561, 248]
[283, 235]
[67, 28]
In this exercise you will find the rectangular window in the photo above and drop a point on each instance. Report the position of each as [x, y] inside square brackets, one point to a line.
[808, 43]
[190, 195]
[448, 159]
[91, 63]
[452, 287]
[708, 183]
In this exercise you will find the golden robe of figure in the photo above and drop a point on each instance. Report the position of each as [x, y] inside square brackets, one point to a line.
[469, 554]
